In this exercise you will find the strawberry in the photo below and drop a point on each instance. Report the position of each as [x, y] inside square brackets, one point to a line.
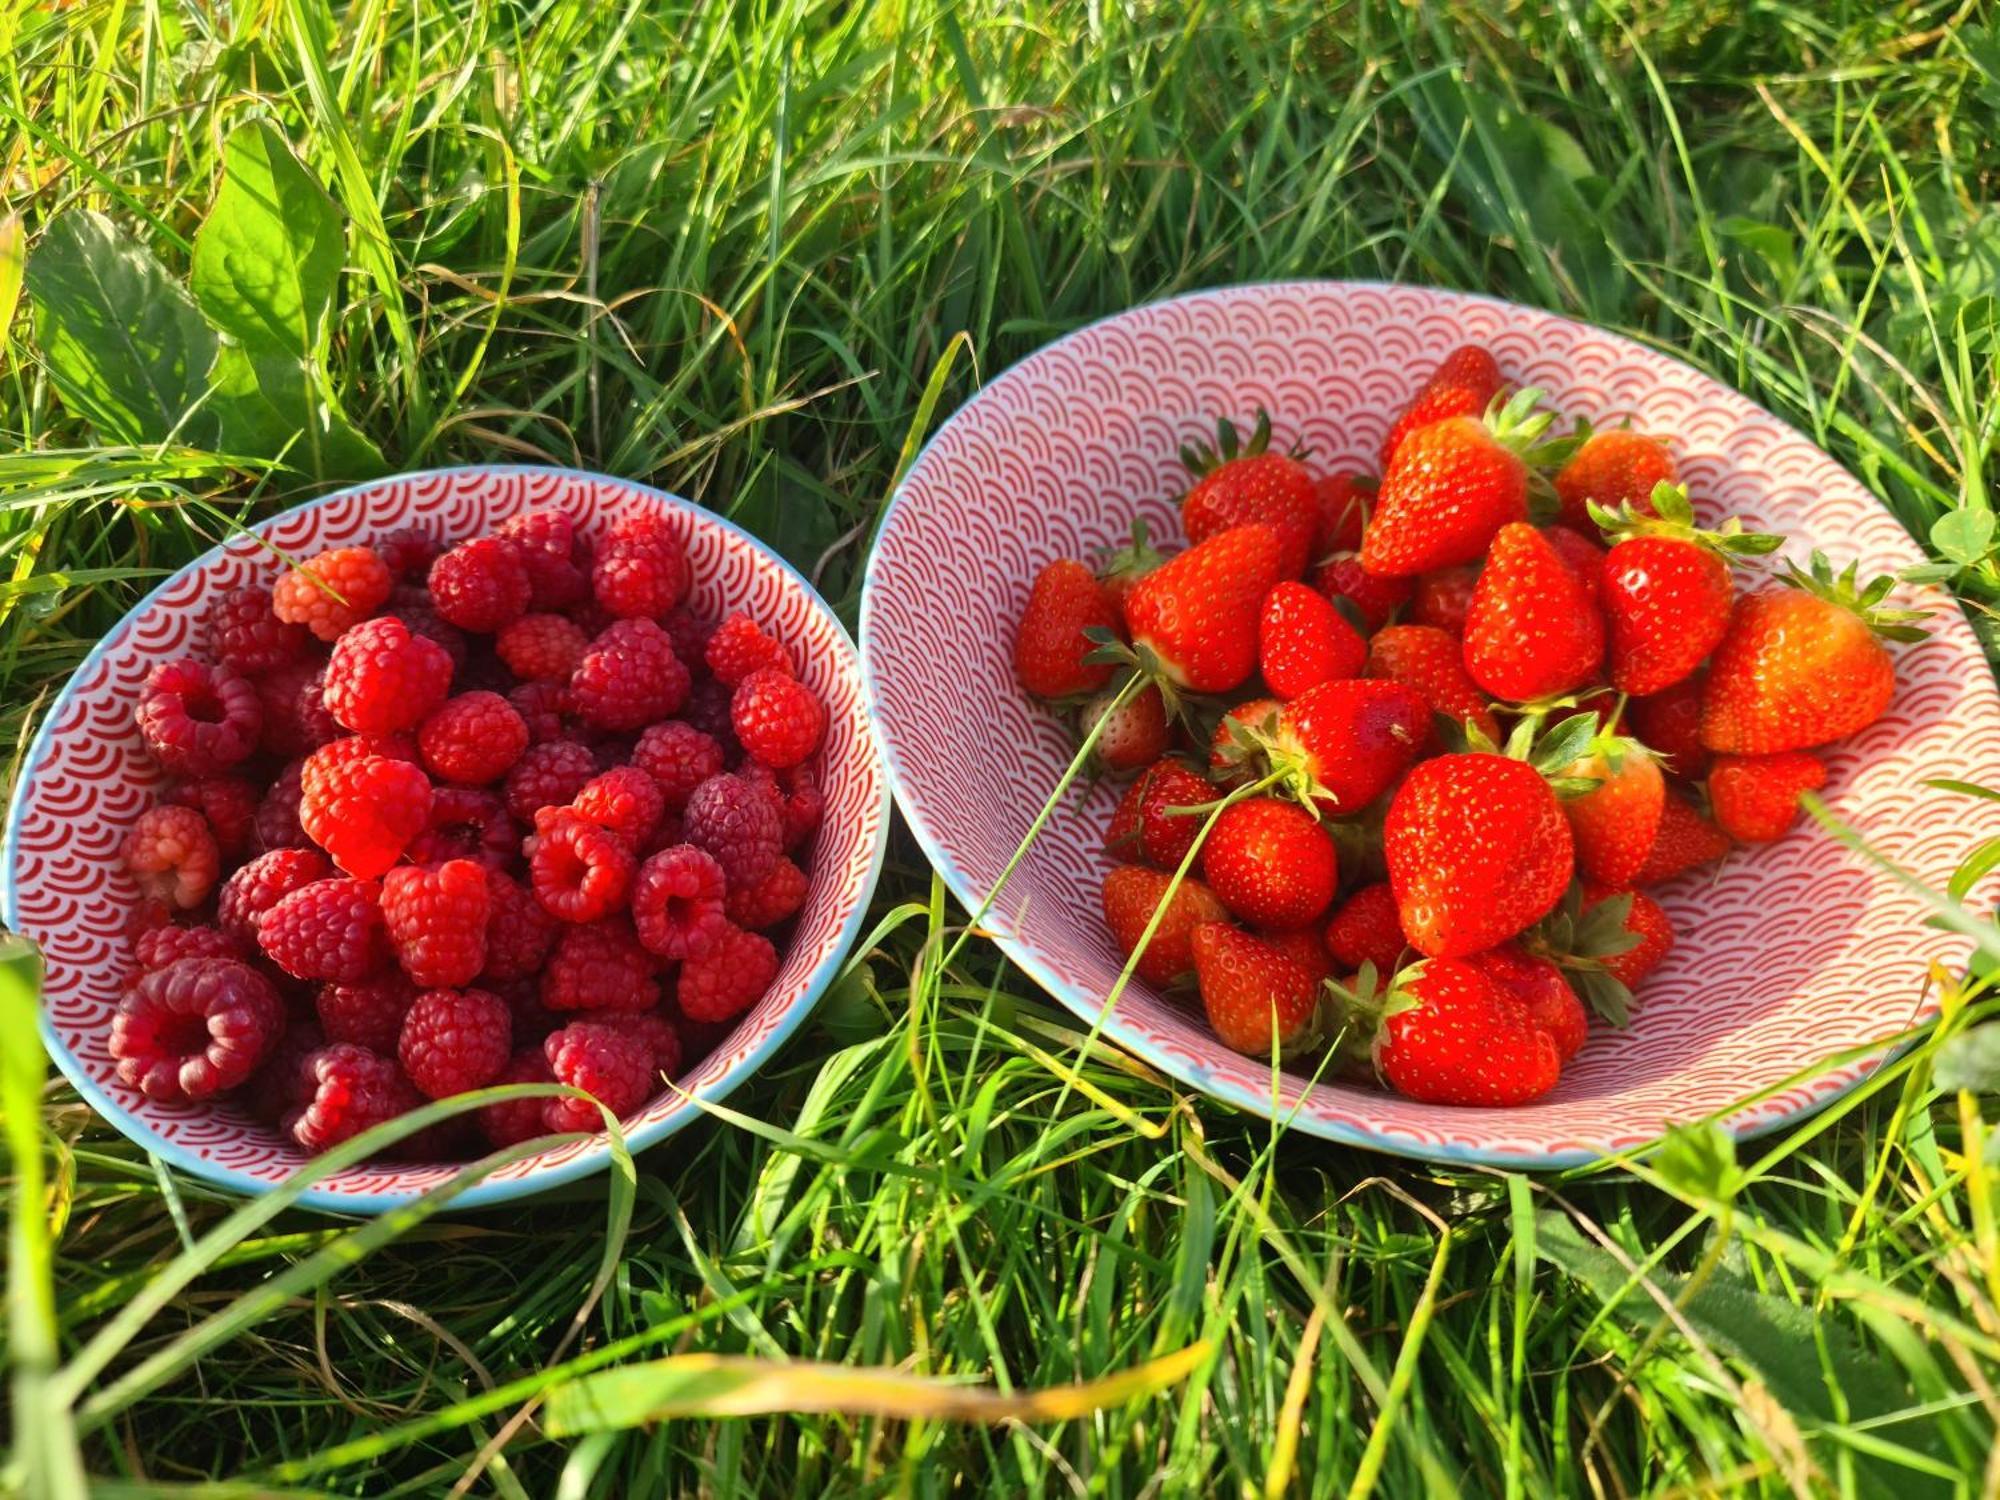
[1343, 511]
[1302, 641]
[1050, 646]
[1135, 732]
[1365, 930]
[1147, 827]
[1119, 568]
[1456, 1037]
[1463, 385]
[1669, 722]
[1532, 631]
[1477, 848]
[1237, 483]
[1451, 486]
[1686, 839]
[1255, 996]
[1341, 744]
[1236, 750]
[1372, 597]
[1540, 987]
[1303, 947]
[1585, 558]
[1425, 658]
[1444, 598]
[1612, 468]
[1801, 664]
[1194, 618]
[1270, 863]
[1615, 816]
[1643, 919]
[1756, 797]
[1591, 937]
[1132, 893]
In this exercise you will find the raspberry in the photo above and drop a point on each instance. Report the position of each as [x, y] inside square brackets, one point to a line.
[436, 921]
[679, 758]
[739, 823]
[677, 902]
[548, 775]
[641, 579]
[614, 1068]
[729, 978]
[195, 1028]
[295, 716]
[172, 855]
[739, 648]
[474, 739]
[278, 812]
[543, 529]
[481, 585]
[580, 871]
[362, 807]
[805, 805]
[600, 967]
[262, 884]
[412, 605]
[707, 709]
[247, 638]
[280, 1086]
[159, 947]
[368, 1013]
[332, 591]
[408, 551]
[331, 930]
[657, 1032]
[777, 719]
[519, 932]
[454, 1040]
[541, 706]
[550, 548]
[689, 633]
[624, 800]
[643, 524]
[467, 823]
[629, 677]
[541, 648]
[197, 719]
[381, 678]
[532, 1019]
[517, 1120]
[347, 1089]
[229, 803]
[768, 902]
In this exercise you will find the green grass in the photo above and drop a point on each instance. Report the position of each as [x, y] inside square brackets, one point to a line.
[731, 250]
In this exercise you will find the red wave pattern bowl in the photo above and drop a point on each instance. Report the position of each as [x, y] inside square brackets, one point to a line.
[88, 776]
[1790, 954]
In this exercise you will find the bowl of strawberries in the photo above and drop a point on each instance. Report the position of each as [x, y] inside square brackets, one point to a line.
[1433, 684]
[471, 777]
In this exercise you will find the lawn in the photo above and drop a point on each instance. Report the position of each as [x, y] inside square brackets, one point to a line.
[754, 254]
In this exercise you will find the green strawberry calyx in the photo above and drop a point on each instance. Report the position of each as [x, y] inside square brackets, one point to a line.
[1141, 661]
[1563, 751]
[1578, 941]
[1132, 561]
[1518, 422]
[1672, 517]
[1362, 1007]
[1845, 590]
[1203, 458]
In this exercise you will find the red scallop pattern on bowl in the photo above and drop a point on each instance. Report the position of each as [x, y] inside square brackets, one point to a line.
[88, 776]
[1789, 955]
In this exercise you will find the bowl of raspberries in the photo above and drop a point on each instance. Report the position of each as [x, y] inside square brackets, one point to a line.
[1448, 678]
[482, 776]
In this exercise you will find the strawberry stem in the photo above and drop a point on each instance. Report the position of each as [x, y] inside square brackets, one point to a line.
[1673, 517]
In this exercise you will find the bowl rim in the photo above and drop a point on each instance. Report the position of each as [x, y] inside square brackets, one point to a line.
[1088, 1007]
[484, 1193]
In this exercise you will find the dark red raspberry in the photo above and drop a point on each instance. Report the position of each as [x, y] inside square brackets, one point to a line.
[543, 529]
[381, 678]
[739, 822]
[662, 1041]
[519, 932]
[679, 758]
[474, 739]
[668, 834]
[295, 718]
[408, 551]
[172, 855]
[629, 677]
[541, 706]
[532, 1019]
[624, 800]
[518, 1120]
[739, 647]
[729, 978]
[436, 921]
[548, 775]
[368, 1013]
[278, 825]
[455, 1040]
[556, 557]
[778, 719]
[332, 591]
[246, 637]
[774, 899]
[157, 947]
[481, 585]
[600, 967]
[411, 603]
[195, 1028]
[612, 1066]
[330, 930]
[579, 870]
[805, 805]
[677, 902]
[467, 823]
[229, 803]
[262, 884]
[280, 1086]
[541, 648]
[641, 579]
[689, 633]
[361, 806]
[348, 1089]
[707, 709]
[196, 719]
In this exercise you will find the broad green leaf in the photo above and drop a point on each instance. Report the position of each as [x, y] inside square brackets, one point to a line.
[272, 407]
[1773, 245]
[1964, 536]
[1699, 1162]
[1970, 1060]
[267, 259]
[13, 262]
[123, 344]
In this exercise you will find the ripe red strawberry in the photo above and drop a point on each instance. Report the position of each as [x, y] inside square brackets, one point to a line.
[1669, 722]
[1463, 385]
[1585, 558]
[1132, 893]
[1801, 664]
[1612, 468]
[1050, 644]
[1686, 839]
[1540, 987]
[1366, 930]
[1302, 641]
[1444, 598]
[1343, 744]
[1532, 631]
[1237, 749]
[1615, 822]
[1477, 848]
[1465, 1040]
[1197, 613]
[1343, 511]
[1303, 947]
[1756, 797]
[1135, 733]
[1256, 997]
[1426, 659]
[1270, 863]
[1648, 921]
[1373, 597]
[1236, 484]
[1146, 825]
